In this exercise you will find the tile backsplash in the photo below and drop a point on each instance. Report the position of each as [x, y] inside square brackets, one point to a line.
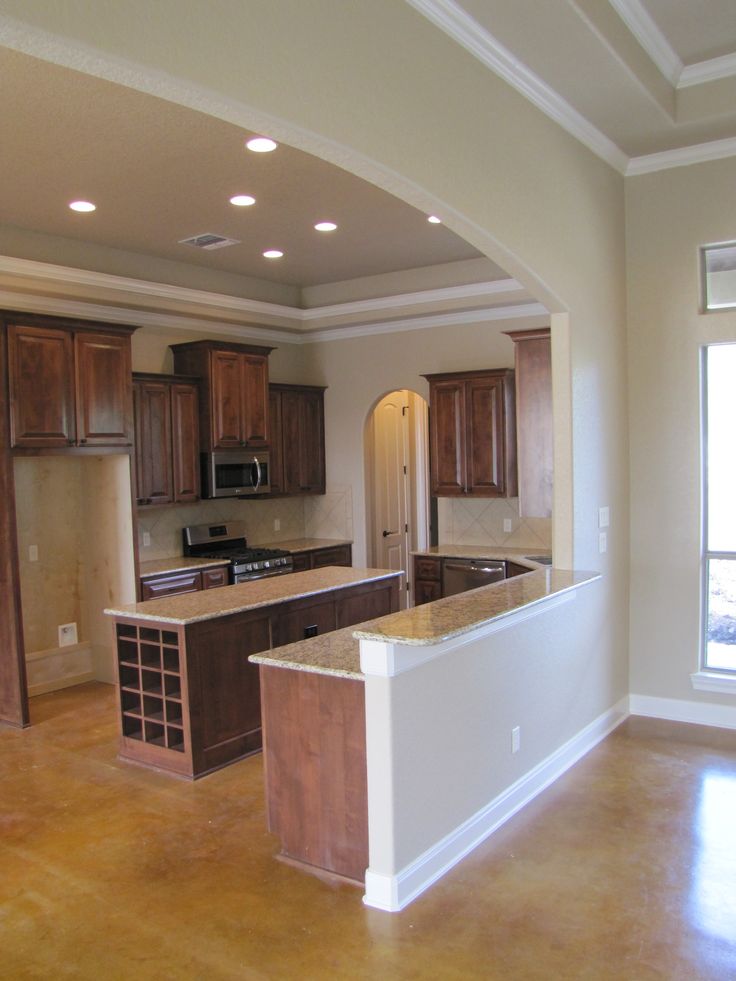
[481, 522]
[326, 516]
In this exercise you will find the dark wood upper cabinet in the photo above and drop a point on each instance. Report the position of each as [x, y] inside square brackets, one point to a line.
[104, 410]
[167, 439]
[472, 434]
[533, 350]
[41, 379]
[69, 383]
[185, 441]
[297, 439]
[234, 392]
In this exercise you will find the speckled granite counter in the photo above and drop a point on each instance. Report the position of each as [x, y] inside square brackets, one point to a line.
[212, 603]
[500, 552]
[179, 563]
[446, 618]
[336, 653]
[306, 544]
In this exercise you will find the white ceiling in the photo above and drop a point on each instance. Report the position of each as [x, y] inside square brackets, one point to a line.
[645, 84]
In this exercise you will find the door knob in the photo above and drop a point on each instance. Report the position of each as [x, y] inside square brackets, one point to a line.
[387, 533]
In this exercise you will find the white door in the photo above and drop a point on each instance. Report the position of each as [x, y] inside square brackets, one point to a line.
[391, 524]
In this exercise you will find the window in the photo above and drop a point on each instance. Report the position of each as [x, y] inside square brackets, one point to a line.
[720, 508]
[719, 276]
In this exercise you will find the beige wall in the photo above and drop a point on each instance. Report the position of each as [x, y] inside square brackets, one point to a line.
[669, 215]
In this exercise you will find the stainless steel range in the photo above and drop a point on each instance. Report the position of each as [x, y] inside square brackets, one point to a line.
[227, 541]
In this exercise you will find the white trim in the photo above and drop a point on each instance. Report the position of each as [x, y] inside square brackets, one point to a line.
[386, 660]
[649, 36]
[708, 71]
[393, 892]
[682, 157]
[679, 710]
[714, 681]
[457, 24]
[445, 294]
[67, 681]
[433, 320]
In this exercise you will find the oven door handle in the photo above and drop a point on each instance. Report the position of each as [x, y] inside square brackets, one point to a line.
[257, 465]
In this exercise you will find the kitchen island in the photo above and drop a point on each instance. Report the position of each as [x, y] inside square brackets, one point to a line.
[328, 724]
[189, 699]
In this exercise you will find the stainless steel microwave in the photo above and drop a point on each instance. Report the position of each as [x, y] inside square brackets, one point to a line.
[235, 473]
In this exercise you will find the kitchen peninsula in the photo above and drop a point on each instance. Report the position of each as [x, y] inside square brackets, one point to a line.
[189, 700]
[369, 731]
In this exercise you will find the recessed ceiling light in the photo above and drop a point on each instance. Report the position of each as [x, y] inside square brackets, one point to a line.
[82, 206]
[273, 254]
[325, 226]
[261, 144]
[242, 200]
[434, 220]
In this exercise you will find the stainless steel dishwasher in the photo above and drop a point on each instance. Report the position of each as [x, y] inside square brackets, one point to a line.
[458, 575]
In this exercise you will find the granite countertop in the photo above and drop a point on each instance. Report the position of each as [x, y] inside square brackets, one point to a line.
[520, 555]
[179, 563]
[208, 604]
[306, 544]
[336, 653]
[453, 616]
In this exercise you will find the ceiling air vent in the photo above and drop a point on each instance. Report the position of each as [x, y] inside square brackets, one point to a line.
[209, 241]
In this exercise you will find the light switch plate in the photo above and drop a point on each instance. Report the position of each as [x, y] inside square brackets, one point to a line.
[67, 634]
[604, 517]
[602, 542]
[33, 553]
[507, 525]
[146, 539]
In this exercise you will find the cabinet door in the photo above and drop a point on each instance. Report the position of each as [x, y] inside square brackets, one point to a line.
[447, 438]
[534, 421]
[275, 426]
[227, 402]
[214, 578]
[426, 592]
[41, 377]
[185, 441]
[311, 621]
[153, 443]
[484, 435]
[255, 400]
[104, 390]
[311, 443]
[301, 561]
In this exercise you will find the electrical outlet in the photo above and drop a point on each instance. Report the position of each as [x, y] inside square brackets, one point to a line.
[602, 542]
[277, 524]
[67, 634]
[33, 553]
[515, 739]
[507, 526]
[146, 539]
[604, 517]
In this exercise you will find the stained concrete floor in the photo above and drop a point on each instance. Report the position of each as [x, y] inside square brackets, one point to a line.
[624, 869]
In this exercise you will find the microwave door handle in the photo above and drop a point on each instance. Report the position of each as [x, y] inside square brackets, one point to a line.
[258, 472]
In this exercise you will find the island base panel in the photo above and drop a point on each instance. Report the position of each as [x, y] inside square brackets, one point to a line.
[315, 768]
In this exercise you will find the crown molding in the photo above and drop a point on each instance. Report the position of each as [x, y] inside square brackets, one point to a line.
[512, 312]
[30, 301]
[461, 27]
[446, 294]
[682, 157]
[649, 36]
[708, 71]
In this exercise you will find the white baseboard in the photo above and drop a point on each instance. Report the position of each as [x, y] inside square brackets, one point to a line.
[681, 710]
[58, 667]
[393, 892]
[43, 687]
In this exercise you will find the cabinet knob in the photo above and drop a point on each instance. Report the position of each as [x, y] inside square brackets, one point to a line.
[82, 441]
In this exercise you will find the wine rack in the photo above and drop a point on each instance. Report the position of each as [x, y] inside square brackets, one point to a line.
[150, 675]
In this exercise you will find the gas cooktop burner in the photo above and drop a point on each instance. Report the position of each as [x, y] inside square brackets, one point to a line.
[227, 541]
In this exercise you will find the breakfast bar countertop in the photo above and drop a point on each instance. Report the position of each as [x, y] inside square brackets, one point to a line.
[208, 604]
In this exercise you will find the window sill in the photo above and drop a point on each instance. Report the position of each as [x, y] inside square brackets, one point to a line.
[714, 681]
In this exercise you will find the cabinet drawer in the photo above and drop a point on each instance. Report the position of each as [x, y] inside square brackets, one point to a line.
[212, 578]
[427, 569]
[187, 582]
[339, 555]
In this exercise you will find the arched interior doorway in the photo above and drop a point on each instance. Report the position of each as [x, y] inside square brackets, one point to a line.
[397, 513]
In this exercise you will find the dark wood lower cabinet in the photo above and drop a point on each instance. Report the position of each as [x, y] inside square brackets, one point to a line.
[317, 558]
[189, 699]
[315, 727]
